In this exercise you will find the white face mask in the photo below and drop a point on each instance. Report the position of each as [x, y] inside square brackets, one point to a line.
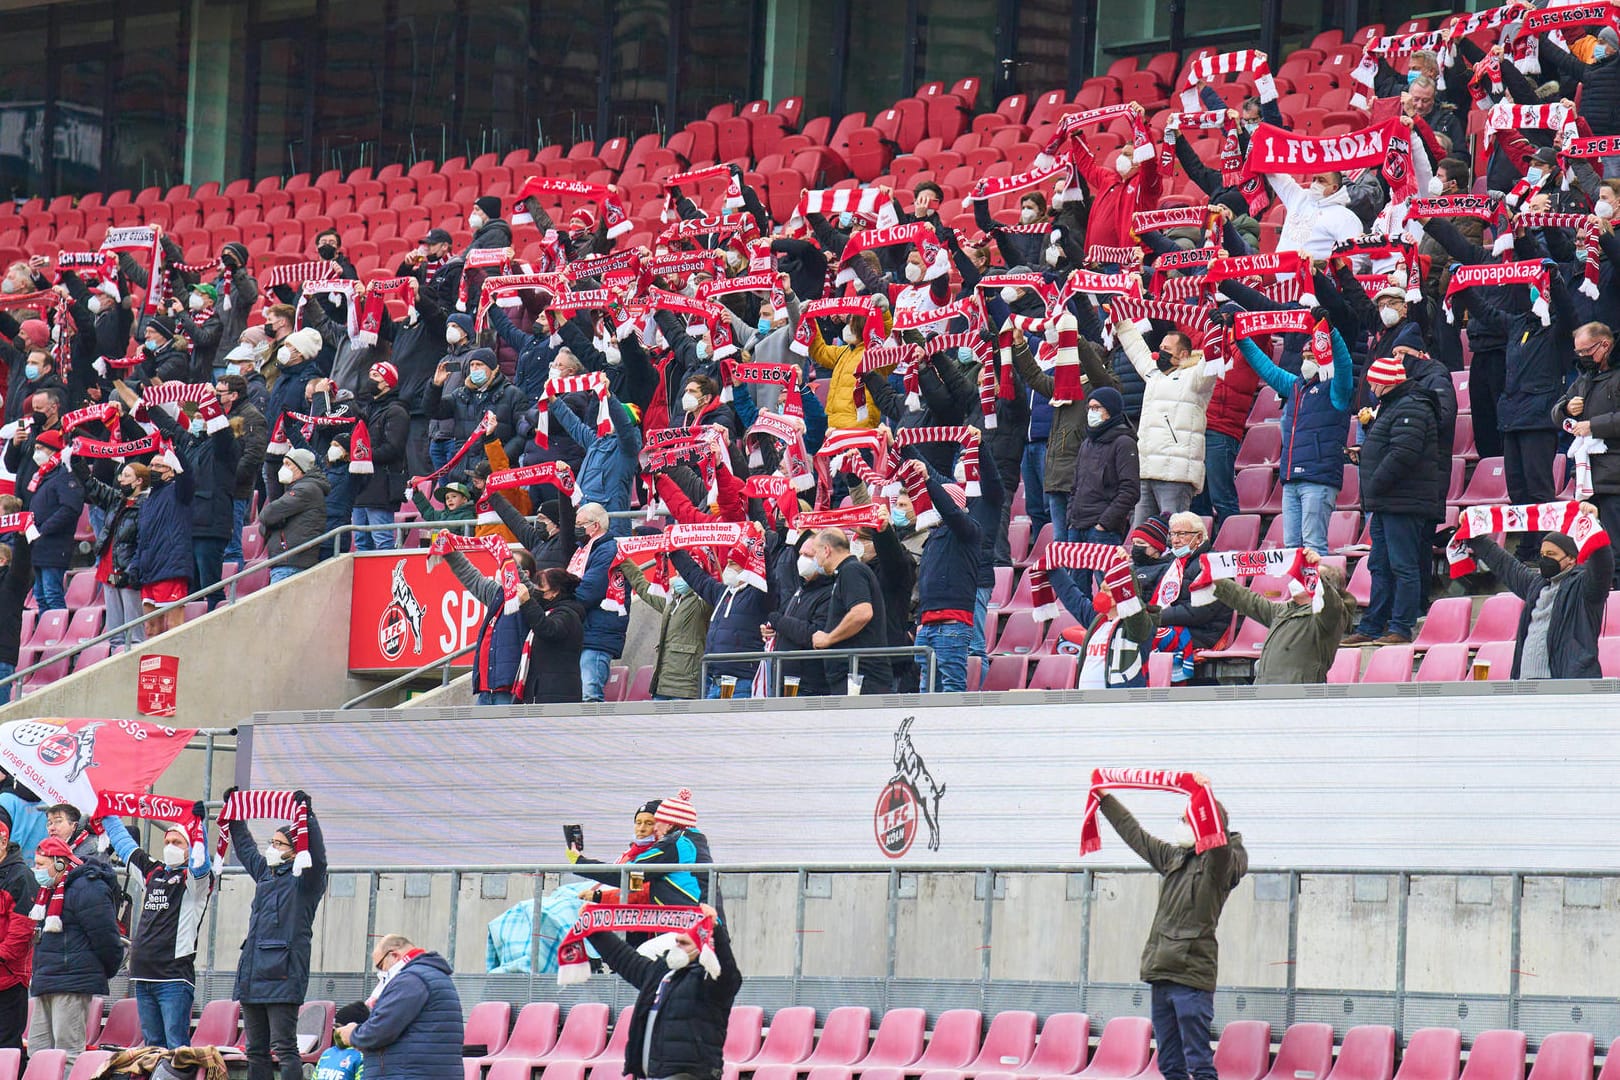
[476, 220]
[735, 262]
[1122, 164]
[334, 453]
[1094, 418]
[850, 336]
[1318, 189]
[913, 272]
[286, 355]
[274, 855]
[1308, 370]
[41, 457]
[1183, 836]
[95, 305]
[453, 335]
[1604, 209]
[857, 549]
[808, 567]
[612, 355]
[689, 402]
[173, 855]
[197, 301]
[731, 577]
[1027, 215]
[1053, 254]
[1436, 185]
[1010, 294]
[1388, 315]
[10, 286]
[285, 474]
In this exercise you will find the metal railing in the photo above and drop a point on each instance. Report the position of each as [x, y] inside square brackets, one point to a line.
[444, 662]
[922, 962]
[924, 654]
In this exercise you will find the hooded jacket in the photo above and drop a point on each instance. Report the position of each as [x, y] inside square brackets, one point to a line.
[88, 951]
[1106, 479]
[298, 517]
[1170, 436]
[683, 625]
[688, 1029]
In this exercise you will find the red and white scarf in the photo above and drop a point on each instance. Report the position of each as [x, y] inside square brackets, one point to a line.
[968, 438]
[869, 204]
[1586, 148]
[919, 234]
[1106, 255]
[1231, 153]
[1386, 146]
[717, 231]
[482, 432]
[1273, 562]
[50, 899]
[1205, 68]
[258, 805]
[106, 414]
[1197, 322]
[1581, 449]
[763, 282]
[1489, 275]
[593, 383]
[872, 515]
[1585, 228]
[676, 263]
[777, 495]
[52, 463]
[842, 444]
[1377, 246]
[1202, 813]
[334, 287]
[1203, 217]
[701, 315]
[574, 966]
[1388, 47]
[969, 307]
[503, 291]
[854, 307]
[119, 451]
[1505, 116]
[795, 459]
[1572, 17]
[1564, 517]
[555, 473]
[360, 458]
[609, 205]
[157, 808]
[786, 376]
[1068, 556]
[296, 274]
[378, 293]
[1253, 324]
[22, 522]
[507, 574]
[733, 199]
[989, 187]
[1482, 207]
[140, 238]
[1070, 126]
[741, 543]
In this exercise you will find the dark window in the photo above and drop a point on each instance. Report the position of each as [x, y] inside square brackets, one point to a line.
[419, 108]
[495, 115]
[639, 92]
[717, 49]
[22, 105]
[1043, 47]
[565, 101]
[149, 102]
[956, 39]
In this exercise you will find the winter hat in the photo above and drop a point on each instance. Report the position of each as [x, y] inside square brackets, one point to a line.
[162, 324]
[464, 321]
[5, 825]
[1563, 542]
[1608, 36]
[307, 342]
[678, 811]
[1155, 532]
[648, 807]
[301, 459]
[50, 439]
[1387, 371]
[1110, 399]
[1390, 292]
[586, 215]
[436, 236]
[49, 900]
[490, 205]
[35, 332]
[237, 249]
[551, 510]
[385, 373]
[244, 351]
[357, 1012]
[485, 357]
[208, 291]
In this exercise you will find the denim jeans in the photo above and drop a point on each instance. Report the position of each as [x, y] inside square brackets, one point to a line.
[49, 582]
[1307, 507]
[372, 541]
[1220, 473]
[1161, 497]
[6, 672]
[1181, 1018]
[1399, 561]
[593, 673]
[98, 521]
[745, 687]
[165, 1011]
[981, 611]
[1033, 470]
[1057, 508]
[496, 697]
[440, 451]
[1088, 580]
[208, 560]
[282, 573]
[239, 512]
[950, 642]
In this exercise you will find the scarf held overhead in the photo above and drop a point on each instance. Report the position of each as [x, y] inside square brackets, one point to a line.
[573, 964]
[1202, 812]
[260, 805]
[1386, 146]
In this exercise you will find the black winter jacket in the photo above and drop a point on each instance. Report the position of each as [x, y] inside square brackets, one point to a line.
[689, 1032]
[122, 530]
[298, 517]
[796, 624]
[1600, 392]
[1577, 610]
[1107, 478]
[1400, 455]
[274, 965]
[467, 407]
[88, 951]
[211, 461]
[252, 442]
[559, 637]
[1539, 358]
[388, 423]
[15, 582]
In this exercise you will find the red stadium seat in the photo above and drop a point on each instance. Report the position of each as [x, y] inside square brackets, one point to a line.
[1262, 445]
[1244, 1052]
[46, 1065]
[1240, 532]
[1390, 664]
[219, 1023]
[89, 1064]
[584, 1034]
[1254, 489]
[1061, 1051]
[1431, 1054]
[899, 1040]
[744, 1033]
[1123, 1050]
[1442, 663]
[1051, 673]
[1561, 1055]
[1447, 622]
[535, 1032]
[789, 1040]
[955, 1041]
[1496, 1055]
[1488, 485]
[1021, 636]
[844, 1037]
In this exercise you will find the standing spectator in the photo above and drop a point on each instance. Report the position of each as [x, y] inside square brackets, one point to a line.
[1301, 643]
[1319, 217]
[1186, 623]
[210, 460]
[608, 474]
[1399, 472]
[163, 952]
[16, 578]
[1563, 604]
[740, 603]
[556, 626]
[199, 322]
[949, 568]
[595, 560]
[290, 392]
[64, 822]
[1120, 186]
[483, 389]
[43, 423]
[1170, 437]
[238, 291]
[163, 551]
[498, 658]
[115, 550]
[388, 423]
[843, 361]
[1180, 959]
[1107, 478]
[55, 498]
[28, 826]
[1065, 434]
[297, 517]
[78, 948]
[414, 1030]
[17, 891]
[458, 340]
[1592, 402]
[797, 619]
[273, 972]
[252, 437]
[683, 624]
[856, 618]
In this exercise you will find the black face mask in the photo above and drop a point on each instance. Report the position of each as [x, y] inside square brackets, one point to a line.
[581, 537]
[40, 421]
[327, 251]
[1549, 567]
[1167, 363]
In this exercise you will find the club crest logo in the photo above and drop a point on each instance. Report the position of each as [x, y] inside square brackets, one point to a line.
[911, 797]
[402, 618]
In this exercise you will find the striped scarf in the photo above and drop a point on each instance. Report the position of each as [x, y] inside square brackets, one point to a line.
[259, 805]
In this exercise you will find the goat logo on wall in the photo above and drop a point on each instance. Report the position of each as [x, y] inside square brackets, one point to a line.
[401, 618]
[911, 797]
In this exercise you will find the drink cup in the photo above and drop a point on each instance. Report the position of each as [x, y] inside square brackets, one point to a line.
[855, 685]
[728, 685]
[1482, 670]
[790, 686]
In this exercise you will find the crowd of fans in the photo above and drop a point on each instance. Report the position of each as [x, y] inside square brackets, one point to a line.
[836, 410]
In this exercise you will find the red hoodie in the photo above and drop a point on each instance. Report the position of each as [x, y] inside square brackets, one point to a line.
[1114, 199]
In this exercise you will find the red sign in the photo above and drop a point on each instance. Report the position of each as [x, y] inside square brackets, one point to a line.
[156, 688]
[402, 616]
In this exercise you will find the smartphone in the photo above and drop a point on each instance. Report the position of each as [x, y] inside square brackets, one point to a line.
[574, 837]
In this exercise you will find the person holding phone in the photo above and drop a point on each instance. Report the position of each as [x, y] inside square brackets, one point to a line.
[458, 341]
[645, 835]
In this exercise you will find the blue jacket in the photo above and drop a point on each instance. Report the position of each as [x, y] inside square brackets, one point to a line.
[736, 617]
[611, 461]
[87, 952]
[56, 506]
[415, 1029]
[986, 514]
[1315, 418]
[274, 966]
[604, 629]
[163, 550]
[534, 353]
[947, 579]
[500, 636]
[288, 393]
[211, 461]
[681, 888]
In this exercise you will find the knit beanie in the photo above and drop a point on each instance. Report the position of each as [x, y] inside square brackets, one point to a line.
[1155, 532]
[1109, 399]
[1387, 371]
[464, 321]
[1562, 541]
[648, 807]
[36, 332]
[490, 205]
[306, 342]
[678, 811]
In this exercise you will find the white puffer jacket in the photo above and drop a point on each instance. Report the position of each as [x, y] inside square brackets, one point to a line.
[1170, 438]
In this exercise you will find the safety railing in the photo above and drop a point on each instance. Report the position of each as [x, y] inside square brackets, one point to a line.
[772, 660]
[444, 663]
[942, 939]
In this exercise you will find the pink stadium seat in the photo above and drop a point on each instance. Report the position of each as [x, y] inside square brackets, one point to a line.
[10, 1063]
[955, 1041]
[844, 1037]
[46, 1065]
[1062, 1048]
[1011, 1038]
[89, 1063]
[899, 1040]
[1563, 1055]
[1447, 622]
[1389, 664]
[743, 1033]
[1488, 485]
[1254, 489]
[487, 1026]
[534, 1034]
[584, 1033]
[1368, 1050]
[1054, 673]
[219, 1023]
[1123, 1050]
[1611, 1064]
[1499, 619]
[1262, 445]
[789, 1039]
[1004, 673]
[1499, 654]
[1244, 1052]
[1431, 1054]
[1496, 1055]
[1240, 532]
[612, 1055]
[1307, 1049]
[122, 1026]
[1346, 666]
[315, 1026]
[1021, 635]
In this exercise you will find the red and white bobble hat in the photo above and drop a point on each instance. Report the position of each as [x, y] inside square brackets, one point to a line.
[678, 811]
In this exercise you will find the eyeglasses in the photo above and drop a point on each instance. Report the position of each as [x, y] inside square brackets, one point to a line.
[281, 844]
[1185, 532]
[1590, 351]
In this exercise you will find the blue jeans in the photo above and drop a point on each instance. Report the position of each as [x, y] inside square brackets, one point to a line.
[496, 697]
[1399, 561]
[1057, 509]
[593, 673]
[745, 687]
[282, 573]
[440, 451]
[49, 582]
[208, 559]
[6, 672]
[981, 611]
[1220, 475]
[372, 541]
[1307, 507]
[98, 521]
[1033, 468]
[950, 642]
[1088, 580]
[239, 512]
[165, 1011]
[1181, 1018]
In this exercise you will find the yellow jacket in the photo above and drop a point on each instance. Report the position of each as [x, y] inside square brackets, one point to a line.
[844, 361]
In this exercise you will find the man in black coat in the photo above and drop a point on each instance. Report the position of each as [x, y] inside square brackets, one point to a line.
[252, 438]
[685, 1008]
[16, 578]
[17, 891]
[54, 496]
[1399, 474]
[1592, 406]
[388, 423]
[210, 452]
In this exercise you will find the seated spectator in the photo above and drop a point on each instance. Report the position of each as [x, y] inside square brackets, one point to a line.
[1115, 646]
[1301, 642]
[1186, 623]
